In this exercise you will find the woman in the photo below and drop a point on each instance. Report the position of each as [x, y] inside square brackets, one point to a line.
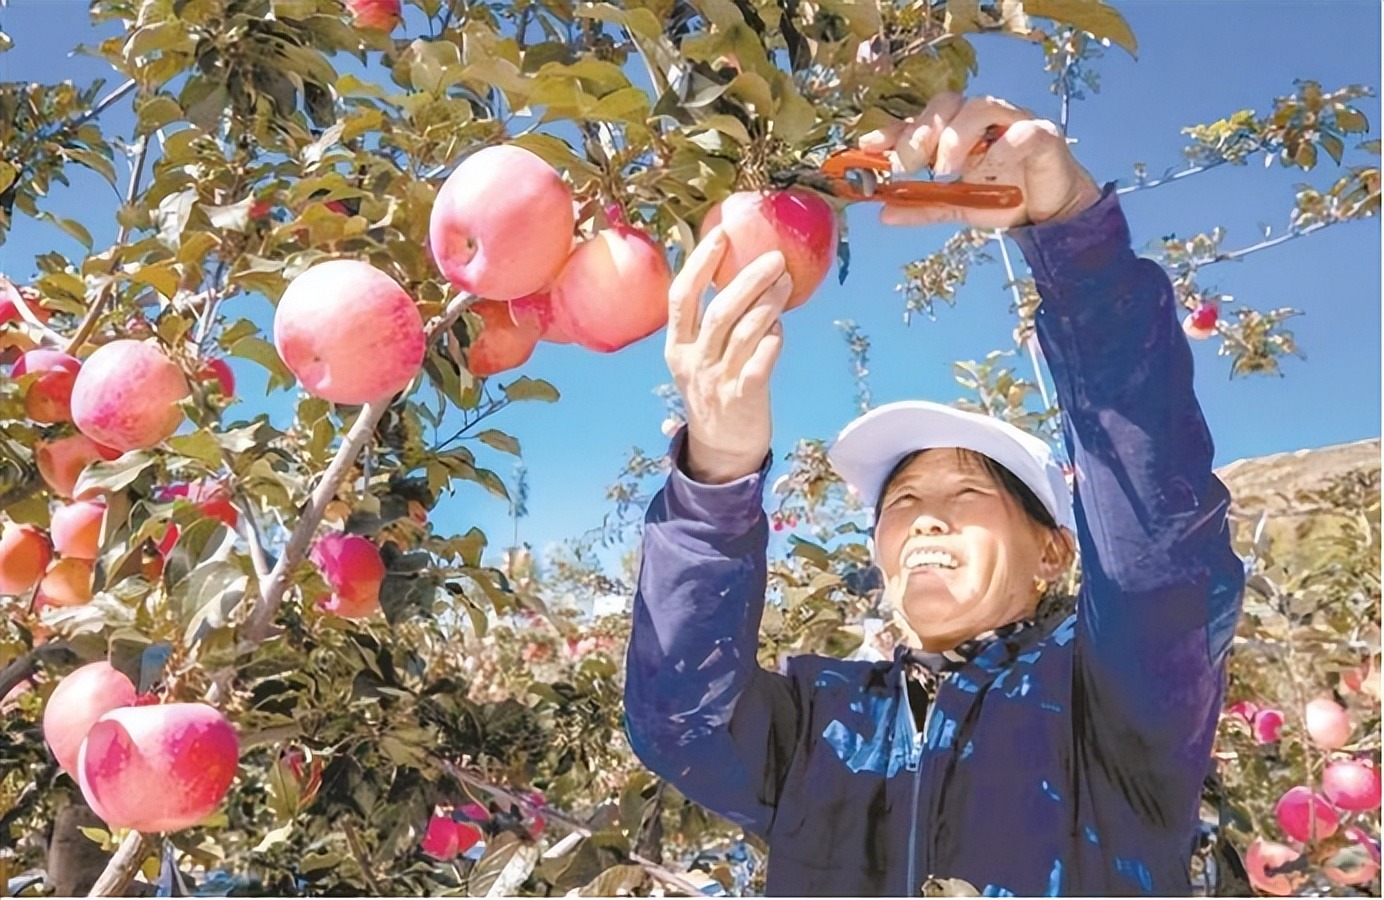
[1023, 757]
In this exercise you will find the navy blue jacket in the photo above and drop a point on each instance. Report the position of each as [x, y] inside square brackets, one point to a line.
[1067, 762]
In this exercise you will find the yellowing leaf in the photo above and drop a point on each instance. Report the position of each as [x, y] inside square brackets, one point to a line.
[1091, 16]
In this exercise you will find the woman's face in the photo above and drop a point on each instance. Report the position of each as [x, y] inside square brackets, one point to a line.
[959, 554]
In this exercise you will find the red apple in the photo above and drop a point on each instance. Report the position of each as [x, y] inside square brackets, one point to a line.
[540, 306]
[1200, 323]
[219, 370]
[76, 528]
[158, 768]
[505, 342]
[1267, 725]
[11, 296]
[24, 556]
[127, 396]
[1327, 724]
[352, 566]
[77, 702]
[613, 290]
[501, 227]
[379, 15]
[349, 333]
[1298, 810]
[49, 397]
[1351, 785]
[211, 497]
[796, 222]
[62, 461]
[1262, 858]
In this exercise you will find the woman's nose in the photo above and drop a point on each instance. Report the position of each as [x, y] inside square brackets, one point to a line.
[929, 525]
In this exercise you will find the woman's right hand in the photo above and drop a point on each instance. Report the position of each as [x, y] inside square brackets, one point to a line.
[721, 359]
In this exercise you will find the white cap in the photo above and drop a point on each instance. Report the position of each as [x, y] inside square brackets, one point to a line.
[868, 449]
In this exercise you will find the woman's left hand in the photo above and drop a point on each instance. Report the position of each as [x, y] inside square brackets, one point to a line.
[1032, 155]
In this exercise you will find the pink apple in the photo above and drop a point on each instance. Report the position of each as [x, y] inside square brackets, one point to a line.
[76, 528]
[502, 224]
[1299, 808]
[61, 462]
[352, 566]
[1267, 725]
[1351, 785]
[1327, 724]
[77, 702]
[127, 394]
[49, 397]
[506, 340]
[1200, 323]
[349, 333]
[25, 552]
[796, 222]
[379, 15]
[1261, 862]
[613, 290]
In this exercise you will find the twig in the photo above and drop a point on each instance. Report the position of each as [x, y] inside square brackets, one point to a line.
[120, 871]
[88, 324]
[670, 878]
[260, 621]
[102, 105]
[1032, 342]
[358, 851]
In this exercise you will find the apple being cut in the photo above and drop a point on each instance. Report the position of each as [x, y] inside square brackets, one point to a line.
[796, 222]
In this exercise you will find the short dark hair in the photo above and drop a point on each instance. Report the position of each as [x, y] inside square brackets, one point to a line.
[1007, 481]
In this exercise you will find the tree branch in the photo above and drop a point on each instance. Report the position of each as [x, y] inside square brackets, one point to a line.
[120, 871]
[348, 828]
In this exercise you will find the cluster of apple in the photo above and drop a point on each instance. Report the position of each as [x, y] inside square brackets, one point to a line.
[1316, 822]
[141, 764]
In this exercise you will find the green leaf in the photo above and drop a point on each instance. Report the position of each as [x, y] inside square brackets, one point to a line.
[214, 590]
[500, 441]
[155, 112]
[260, 351]
[1350, 120]
[7, 176]
[201, 445]
[504, 867]
[74, 229]
[526, 388]
[1092, 16]
[640, 21]
[963, 17]
[116, 475]
[617, 881]
[161, 277]
[1333, 146]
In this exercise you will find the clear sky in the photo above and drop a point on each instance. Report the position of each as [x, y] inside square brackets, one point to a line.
[1198, 61]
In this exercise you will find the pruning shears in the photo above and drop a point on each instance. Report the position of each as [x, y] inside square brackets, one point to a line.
[859, 175]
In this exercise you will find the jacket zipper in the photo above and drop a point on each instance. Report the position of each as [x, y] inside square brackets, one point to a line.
[918, 739]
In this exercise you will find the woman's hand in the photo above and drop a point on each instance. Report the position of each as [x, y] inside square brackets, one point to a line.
[721, 359]
[1032, 155]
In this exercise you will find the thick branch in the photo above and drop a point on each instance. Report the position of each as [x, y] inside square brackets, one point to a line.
[260, 622]
[670, 878]
[120, 871]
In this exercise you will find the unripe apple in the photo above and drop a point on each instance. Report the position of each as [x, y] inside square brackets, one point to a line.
[613, 290]
[158, 768]
[24, 556]
[796, 222]
[501, 227]
[1200, 323]
[1351, 785]
[76, 528]
[1264, 856]
[77, 702]
[379, 15]
[352, 566]
[49, 397]
[68, 582]
[1296, 811]
[1327, 724]
[506, 341]
[127, 395]
[62, 461]
[349, 333]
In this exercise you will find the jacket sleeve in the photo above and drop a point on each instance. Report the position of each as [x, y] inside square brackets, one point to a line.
[1161, 586]
[699, 710]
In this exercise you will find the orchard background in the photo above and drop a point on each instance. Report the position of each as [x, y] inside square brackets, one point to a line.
[169, 182]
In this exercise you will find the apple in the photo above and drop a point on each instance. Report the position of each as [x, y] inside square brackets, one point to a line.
[1264, 856]
[501, 227]
[1200, 323]
[24, 556]
[540, 306]
[49, 397]
[68, 582]
[127, 396]
[1267, 725]
[77, 702]
[506, 341]
[379, 15]
[1351, 785]
[158, 768]
[349, 332]
[352, 566]
[1355, 864]
[76, 528]
[219, 371]
[796, 222]
[1299, 809]
[1327, 724]
[61, 462]
[11, 296]
[613, 290]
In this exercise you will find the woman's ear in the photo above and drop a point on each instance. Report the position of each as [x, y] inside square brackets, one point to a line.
[1059, 549]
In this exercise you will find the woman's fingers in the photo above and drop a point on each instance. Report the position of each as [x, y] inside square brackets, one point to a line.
[918, 144]
[760, 366]
[685, 295]
[733, 301]
[956, 140]
[756, 323]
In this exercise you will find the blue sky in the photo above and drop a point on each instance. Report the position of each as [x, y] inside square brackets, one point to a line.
[1198, 61]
